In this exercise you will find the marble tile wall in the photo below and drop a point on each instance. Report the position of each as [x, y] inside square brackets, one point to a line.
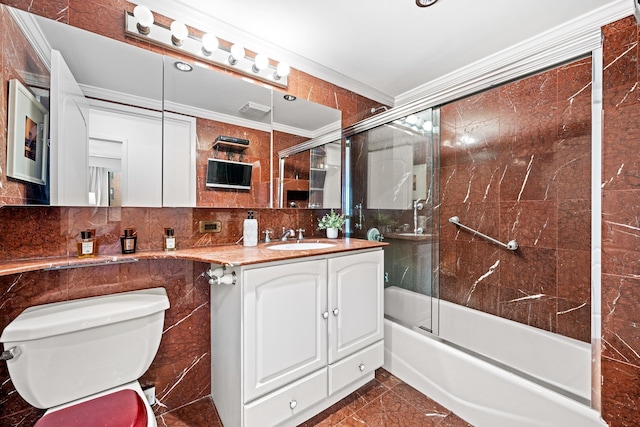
[17, 61]
[515, 164]
[181, 370]
[621, 225]
[257, 154]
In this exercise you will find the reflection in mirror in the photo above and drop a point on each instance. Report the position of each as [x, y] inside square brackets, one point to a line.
[97, 102]
[397, 162]
[20, 61]
[307, 139]
[214, 116]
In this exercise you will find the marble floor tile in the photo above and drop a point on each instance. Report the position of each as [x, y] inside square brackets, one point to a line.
[385, 401]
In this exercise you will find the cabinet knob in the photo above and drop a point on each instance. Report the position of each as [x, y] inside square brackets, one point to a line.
[361, 367]
[336, 311]
[293, 404]
[325, 315]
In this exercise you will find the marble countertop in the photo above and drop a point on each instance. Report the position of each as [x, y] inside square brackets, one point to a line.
[230, 254]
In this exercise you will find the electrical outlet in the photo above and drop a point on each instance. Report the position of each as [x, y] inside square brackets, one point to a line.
[150, 394]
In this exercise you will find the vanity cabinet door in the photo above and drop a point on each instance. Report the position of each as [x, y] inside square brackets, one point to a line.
[285, 332]
[356, 308]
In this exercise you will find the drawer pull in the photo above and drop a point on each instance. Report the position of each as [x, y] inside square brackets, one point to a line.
[325, 315]
[293, 404]
[336, 311]
[361, 367]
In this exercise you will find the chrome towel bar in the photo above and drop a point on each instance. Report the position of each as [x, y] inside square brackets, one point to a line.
[512, 245]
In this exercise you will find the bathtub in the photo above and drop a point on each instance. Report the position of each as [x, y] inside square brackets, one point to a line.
[490, 371]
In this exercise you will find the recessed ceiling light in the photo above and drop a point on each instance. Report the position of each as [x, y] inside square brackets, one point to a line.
[425, 3]
[183, 66]
[289, 97]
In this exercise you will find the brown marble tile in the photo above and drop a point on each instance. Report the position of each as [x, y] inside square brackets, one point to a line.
[32, 232]
[574, 99]
[531, 271]
[574, 275]
[574, 224]
[620, 261]
[535, 310]
[421, 402]
[573, 319]
[620, 59]
[531, 177]
[621, 392]
[390, 410]
[531, 223]
[621, 219]
[620, 164]
[385, 378]
[201, 413]
[333, 415]
[573, 168]
[452, 420]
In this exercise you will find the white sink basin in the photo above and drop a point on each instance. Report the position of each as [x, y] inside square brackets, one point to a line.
[300, 246]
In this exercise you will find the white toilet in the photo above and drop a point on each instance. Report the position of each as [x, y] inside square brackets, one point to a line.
[82, 358]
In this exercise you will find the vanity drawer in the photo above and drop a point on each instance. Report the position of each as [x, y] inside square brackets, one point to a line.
[356, 366]
[286, 402]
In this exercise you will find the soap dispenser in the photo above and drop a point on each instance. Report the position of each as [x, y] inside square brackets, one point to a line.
[250, 230]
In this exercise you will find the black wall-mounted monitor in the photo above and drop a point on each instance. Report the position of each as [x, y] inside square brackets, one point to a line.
[228, 174]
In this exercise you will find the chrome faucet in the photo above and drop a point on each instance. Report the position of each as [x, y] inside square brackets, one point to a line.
[287, 233]
[417, 205]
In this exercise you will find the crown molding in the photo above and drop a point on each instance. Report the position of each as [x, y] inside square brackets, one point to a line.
[560, 44]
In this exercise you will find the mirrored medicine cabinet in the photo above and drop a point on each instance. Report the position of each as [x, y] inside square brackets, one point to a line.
[131, 127]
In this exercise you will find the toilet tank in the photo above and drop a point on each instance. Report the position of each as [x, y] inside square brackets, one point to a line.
[76, 348]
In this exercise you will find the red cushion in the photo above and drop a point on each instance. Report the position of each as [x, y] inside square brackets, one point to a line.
[123, 408]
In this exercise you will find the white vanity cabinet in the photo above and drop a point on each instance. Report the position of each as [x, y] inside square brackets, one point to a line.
[291, 338]
[284, 336]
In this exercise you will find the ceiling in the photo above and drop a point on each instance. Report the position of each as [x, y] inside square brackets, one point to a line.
[386, 49]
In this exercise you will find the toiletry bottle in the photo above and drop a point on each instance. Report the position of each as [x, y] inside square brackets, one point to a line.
[169, 240]
[128, 241]
[250, 230]
[87, 244]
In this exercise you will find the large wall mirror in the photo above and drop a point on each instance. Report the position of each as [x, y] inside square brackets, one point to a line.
[131, 127]
[307, 141]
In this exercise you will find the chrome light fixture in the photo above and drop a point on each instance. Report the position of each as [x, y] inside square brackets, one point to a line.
[145, 19]
[179, 33]
[209, 44]
[425, 3]
[236, 53]
[140, 25]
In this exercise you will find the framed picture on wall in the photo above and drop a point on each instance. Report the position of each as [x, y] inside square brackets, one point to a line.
[28, 128]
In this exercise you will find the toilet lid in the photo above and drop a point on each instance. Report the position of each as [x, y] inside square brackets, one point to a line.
[123, 408]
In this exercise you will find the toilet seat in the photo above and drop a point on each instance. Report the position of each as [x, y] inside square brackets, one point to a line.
[124, 408]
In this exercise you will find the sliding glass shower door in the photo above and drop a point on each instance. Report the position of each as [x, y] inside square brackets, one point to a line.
[391, 195]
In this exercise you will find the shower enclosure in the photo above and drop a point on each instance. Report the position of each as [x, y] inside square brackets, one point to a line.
[391, 182]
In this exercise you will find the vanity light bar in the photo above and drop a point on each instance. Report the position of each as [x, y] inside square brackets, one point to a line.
[160, 35]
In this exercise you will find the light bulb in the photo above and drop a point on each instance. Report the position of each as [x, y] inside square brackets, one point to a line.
[179, 32]
[412, 119]
[237, 53]
[282, 70]
[261, 61]
[145, 19]
[209, 44]
[427, 126]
